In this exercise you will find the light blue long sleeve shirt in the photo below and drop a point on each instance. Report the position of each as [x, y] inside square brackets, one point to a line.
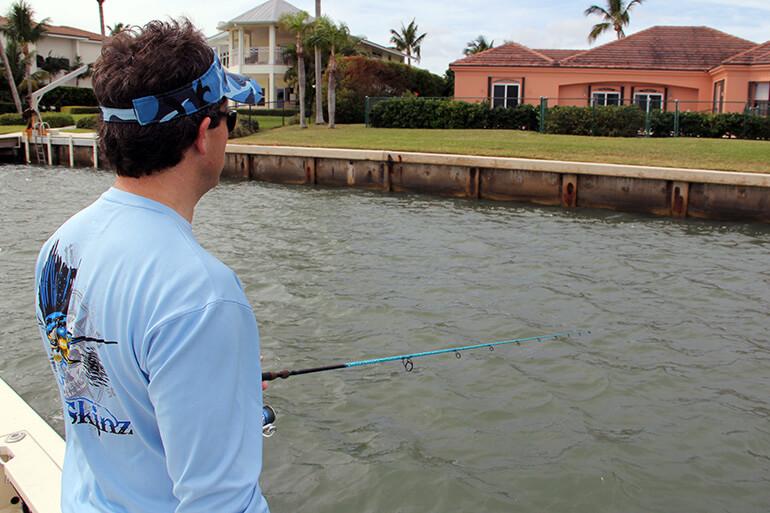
[156, 353]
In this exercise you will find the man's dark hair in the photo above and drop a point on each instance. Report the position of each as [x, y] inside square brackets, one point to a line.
[155, 59]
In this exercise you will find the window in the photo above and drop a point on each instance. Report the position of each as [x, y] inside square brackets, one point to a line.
[602, 98]
[719, 97]
[653, 100]
[760, 102]
[505, 95]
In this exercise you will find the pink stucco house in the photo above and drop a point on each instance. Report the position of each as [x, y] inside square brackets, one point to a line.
[703, 68]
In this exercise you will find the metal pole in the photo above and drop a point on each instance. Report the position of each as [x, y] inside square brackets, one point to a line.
[676, 119]
[647, 118]
[366, 112]
[543, 110]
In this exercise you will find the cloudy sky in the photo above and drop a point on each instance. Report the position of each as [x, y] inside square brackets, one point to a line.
[449, 25]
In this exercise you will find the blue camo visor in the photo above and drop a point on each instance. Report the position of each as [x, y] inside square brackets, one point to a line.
[207, 90]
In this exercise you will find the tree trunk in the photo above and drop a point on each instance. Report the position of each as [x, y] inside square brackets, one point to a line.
[9, 78]
[409, 57]
[27, 72]
[101, 15]
[319, 104]
[301, 80]
[332, 70]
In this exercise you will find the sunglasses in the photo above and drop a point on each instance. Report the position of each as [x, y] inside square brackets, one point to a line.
[232, 119]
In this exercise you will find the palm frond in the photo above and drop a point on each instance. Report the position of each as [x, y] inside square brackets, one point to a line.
[595, 9]
[598, 30]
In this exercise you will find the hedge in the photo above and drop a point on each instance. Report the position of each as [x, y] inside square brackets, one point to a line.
[90, 122]
[267, 112]
[54, 119]
[437, 113]
[64, 95]
[610, 121]
[706, 125]
[11, 119]
[79, 109]
[245, 127]
[6, 108]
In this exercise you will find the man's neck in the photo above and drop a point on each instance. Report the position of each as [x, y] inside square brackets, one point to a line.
[175, 187]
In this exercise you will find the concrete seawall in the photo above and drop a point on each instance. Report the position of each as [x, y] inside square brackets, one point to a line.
[659, 191]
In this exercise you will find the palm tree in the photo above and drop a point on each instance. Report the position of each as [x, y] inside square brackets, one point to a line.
[101, 15]
[616, 16]
[479, 44]
[297, 23]
[407, 40]
[78, 63]
[319, 105]
[9, 78]
[117, 29]
[336, 39]
[22, 29]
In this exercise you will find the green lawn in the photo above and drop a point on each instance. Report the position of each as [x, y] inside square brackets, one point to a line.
[78, 117]
[267, 122]
[9, 129]
[729, 155]
[77, 130]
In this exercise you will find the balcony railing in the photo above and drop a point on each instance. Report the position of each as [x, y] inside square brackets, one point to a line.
[261, 55]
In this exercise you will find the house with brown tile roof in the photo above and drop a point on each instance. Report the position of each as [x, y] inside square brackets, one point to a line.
[698, 68]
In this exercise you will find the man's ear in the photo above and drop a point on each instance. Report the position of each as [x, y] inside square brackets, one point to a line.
[201, 141]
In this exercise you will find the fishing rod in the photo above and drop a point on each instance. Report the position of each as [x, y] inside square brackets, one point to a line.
[269, 415]
[406, 359]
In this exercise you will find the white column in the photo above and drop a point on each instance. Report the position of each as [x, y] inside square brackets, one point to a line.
[230, 49]
[271, 57]
[241, 50]
[270, 90]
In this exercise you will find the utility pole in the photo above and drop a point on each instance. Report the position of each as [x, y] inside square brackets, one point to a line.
[101, 15]
[319, 106]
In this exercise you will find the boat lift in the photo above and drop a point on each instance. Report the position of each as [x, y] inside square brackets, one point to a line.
[37, 131]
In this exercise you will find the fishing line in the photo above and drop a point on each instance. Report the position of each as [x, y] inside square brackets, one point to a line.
[407, 360]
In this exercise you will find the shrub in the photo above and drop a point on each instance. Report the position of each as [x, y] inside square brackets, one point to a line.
[246, 126]
[359, 77]
[7, 108]
[56, 120]
[90, 122]
[522, 117]
[610, 121]
[756, 127]
[79, 109]
[11, 119]
[439, 113]
[569, 121]
[266, 112]
[63, 95]
[661, 124]
[697, 124]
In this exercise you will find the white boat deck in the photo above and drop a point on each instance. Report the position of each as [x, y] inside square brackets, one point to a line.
[31, 457]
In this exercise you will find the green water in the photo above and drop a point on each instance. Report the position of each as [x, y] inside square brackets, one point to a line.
[664, 408]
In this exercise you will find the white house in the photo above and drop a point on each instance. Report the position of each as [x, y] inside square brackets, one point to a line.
[253, 44]
[68, 43]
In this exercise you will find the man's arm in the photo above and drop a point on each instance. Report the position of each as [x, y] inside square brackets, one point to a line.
[205, 386]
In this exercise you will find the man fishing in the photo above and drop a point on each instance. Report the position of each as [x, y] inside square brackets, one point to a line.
[152, 340]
